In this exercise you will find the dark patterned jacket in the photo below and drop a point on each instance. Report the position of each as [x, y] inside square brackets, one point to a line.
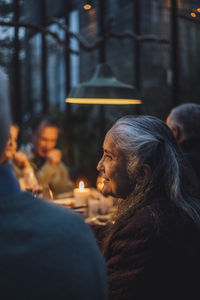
[154, 254]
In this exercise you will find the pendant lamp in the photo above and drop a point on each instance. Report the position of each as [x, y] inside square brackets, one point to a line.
[103, 88]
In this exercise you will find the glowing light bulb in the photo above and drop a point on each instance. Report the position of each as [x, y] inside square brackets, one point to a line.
[87, 6]
[193, 14]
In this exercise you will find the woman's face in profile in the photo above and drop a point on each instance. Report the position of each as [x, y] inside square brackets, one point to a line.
[112, 168]
[11, 146]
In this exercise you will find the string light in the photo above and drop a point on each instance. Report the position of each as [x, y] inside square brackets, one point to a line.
[87, 6]
[193, 14]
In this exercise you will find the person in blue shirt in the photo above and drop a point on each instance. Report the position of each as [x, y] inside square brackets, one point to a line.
[47, 252]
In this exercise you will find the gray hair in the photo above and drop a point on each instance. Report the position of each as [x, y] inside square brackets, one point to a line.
[187, 117]
[148, 140]
[4, 111]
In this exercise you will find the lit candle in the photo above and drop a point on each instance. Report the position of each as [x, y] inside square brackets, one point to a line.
[81, 194]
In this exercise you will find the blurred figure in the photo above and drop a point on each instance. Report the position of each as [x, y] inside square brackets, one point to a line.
[152, 249]
[45, 159]
[184, 121]
[11, 145]
[25, 173]
[19, 161]
[47, 252]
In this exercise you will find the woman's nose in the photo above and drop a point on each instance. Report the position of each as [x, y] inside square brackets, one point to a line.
[100, 166]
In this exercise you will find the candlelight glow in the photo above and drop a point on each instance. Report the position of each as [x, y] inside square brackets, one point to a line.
[81, 185]
[100, 183]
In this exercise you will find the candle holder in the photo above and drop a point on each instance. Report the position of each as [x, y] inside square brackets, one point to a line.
[81, 195]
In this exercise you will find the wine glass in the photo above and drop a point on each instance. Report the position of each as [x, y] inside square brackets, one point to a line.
[43, 191]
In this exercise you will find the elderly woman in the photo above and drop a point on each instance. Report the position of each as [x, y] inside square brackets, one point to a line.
[153, 248]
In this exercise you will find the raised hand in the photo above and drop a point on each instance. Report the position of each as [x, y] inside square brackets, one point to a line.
[20, 160]
[54, 157]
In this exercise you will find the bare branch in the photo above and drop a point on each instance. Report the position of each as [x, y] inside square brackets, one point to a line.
[83, 43]
[39, 29]
[140, 38]
[90, 46]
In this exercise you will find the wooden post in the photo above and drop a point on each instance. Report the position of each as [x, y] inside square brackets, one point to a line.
[174, 53]
[137, 56]
[45, 103]
[17, 100]
[137, 72]
[67, 61]
[102, 59]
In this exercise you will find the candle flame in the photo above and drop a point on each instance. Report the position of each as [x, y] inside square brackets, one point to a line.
[81, 185]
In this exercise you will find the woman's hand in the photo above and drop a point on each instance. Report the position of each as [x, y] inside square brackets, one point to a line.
[20, 159]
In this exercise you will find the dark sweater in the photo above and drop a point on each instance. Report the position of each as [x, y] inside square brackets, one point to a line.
[154, 255]
[47, 252]
[191, 151]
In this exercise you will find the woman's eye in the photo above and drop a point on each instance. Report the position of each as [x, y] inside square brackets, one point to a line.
[108, 156]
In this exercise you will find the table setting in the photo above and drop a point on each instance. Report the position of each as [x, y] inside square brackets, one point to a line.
[89, 202]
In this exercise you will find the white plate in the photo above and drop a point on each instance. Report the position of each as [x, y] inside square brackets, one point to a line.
[70, 202]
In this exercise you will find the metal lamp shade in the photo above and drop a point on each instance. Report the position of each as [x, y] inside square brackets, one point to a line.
[103, 88]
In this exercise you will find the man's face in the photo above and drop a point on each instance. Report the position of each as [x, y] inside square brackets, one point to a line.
[112, 168]
[175, 129]
[45, 140]
[11, 145]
